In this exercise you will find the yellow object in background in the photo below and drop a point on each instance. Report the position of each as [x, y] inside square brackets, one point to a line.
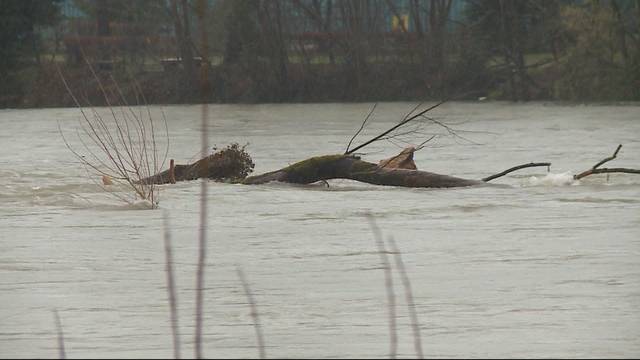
[400, 23]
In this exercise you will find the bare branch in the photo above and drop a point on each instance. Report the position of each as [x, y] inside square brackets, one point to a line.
[615, 153]
[606, 171]
[450, 130]
[422, 144]
[523, 166]
[401, 123]
[595, 169]
[361, 126]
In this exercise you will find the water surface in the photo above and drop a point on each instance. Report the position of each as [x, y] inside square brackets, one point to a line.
[539, 267]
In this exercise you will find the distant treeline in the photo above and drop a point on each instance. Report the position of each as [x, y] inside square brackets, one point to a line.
[318, 50]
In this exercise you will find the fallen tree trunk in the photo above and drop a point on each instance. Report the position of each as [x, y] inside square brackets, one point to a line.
[399, 170]
[234, 164]
[352, 167]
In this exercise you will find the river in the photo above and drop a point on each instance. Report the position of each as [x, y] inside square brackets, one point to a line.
[537, 265]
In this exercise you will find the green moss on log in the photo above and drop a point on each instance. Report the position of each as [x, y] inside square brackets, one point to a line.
[315, 169]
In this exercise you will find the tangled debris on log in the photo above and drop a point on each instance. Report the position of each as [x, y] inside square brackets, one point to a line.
[232, 163]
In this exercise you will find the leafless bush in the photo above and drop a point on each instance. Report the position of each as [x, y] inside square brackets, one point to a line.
[120, 143]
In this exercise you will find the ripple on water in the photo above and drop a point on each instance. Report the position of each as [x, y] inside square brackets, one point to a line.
[597, 200]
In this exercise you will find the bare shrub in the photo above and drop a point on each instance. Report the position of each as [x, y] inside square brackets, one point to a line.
[120, 143]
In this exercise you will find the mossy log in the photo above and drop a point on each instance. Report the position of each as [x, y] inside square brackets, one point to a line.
[352, 167]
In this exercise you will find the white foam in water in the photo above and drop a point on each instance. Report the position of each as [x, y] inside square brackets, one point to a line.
[551, 179]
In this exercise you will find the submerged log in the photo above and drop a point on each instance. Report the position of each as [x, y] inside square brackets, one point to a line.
[399, 170]
[352, 167]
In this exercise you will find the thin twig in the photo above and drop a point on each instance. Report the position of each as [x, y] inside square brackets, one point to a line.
[606, 171]
[171, 288]
[373, 108]
[388, 282]
[403, 122]
[523, 166]
[422, 144]
[254, 313]
[615, 153]
[451, 131]
[202, 249]
[406, 283]
[61, 352]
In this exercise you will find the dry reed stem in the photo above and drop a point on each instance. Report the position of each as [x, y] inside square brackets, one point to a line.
[171, 288]
[61, 352]
[388, 281]
[202, 249]
[254, 313]
[202, 243]
[406, 283]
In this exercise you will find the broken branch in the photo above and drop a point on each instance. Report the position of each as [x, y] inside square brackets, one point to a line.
[595, 169]
[615, 154]
[523, 166]
[605, 171]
